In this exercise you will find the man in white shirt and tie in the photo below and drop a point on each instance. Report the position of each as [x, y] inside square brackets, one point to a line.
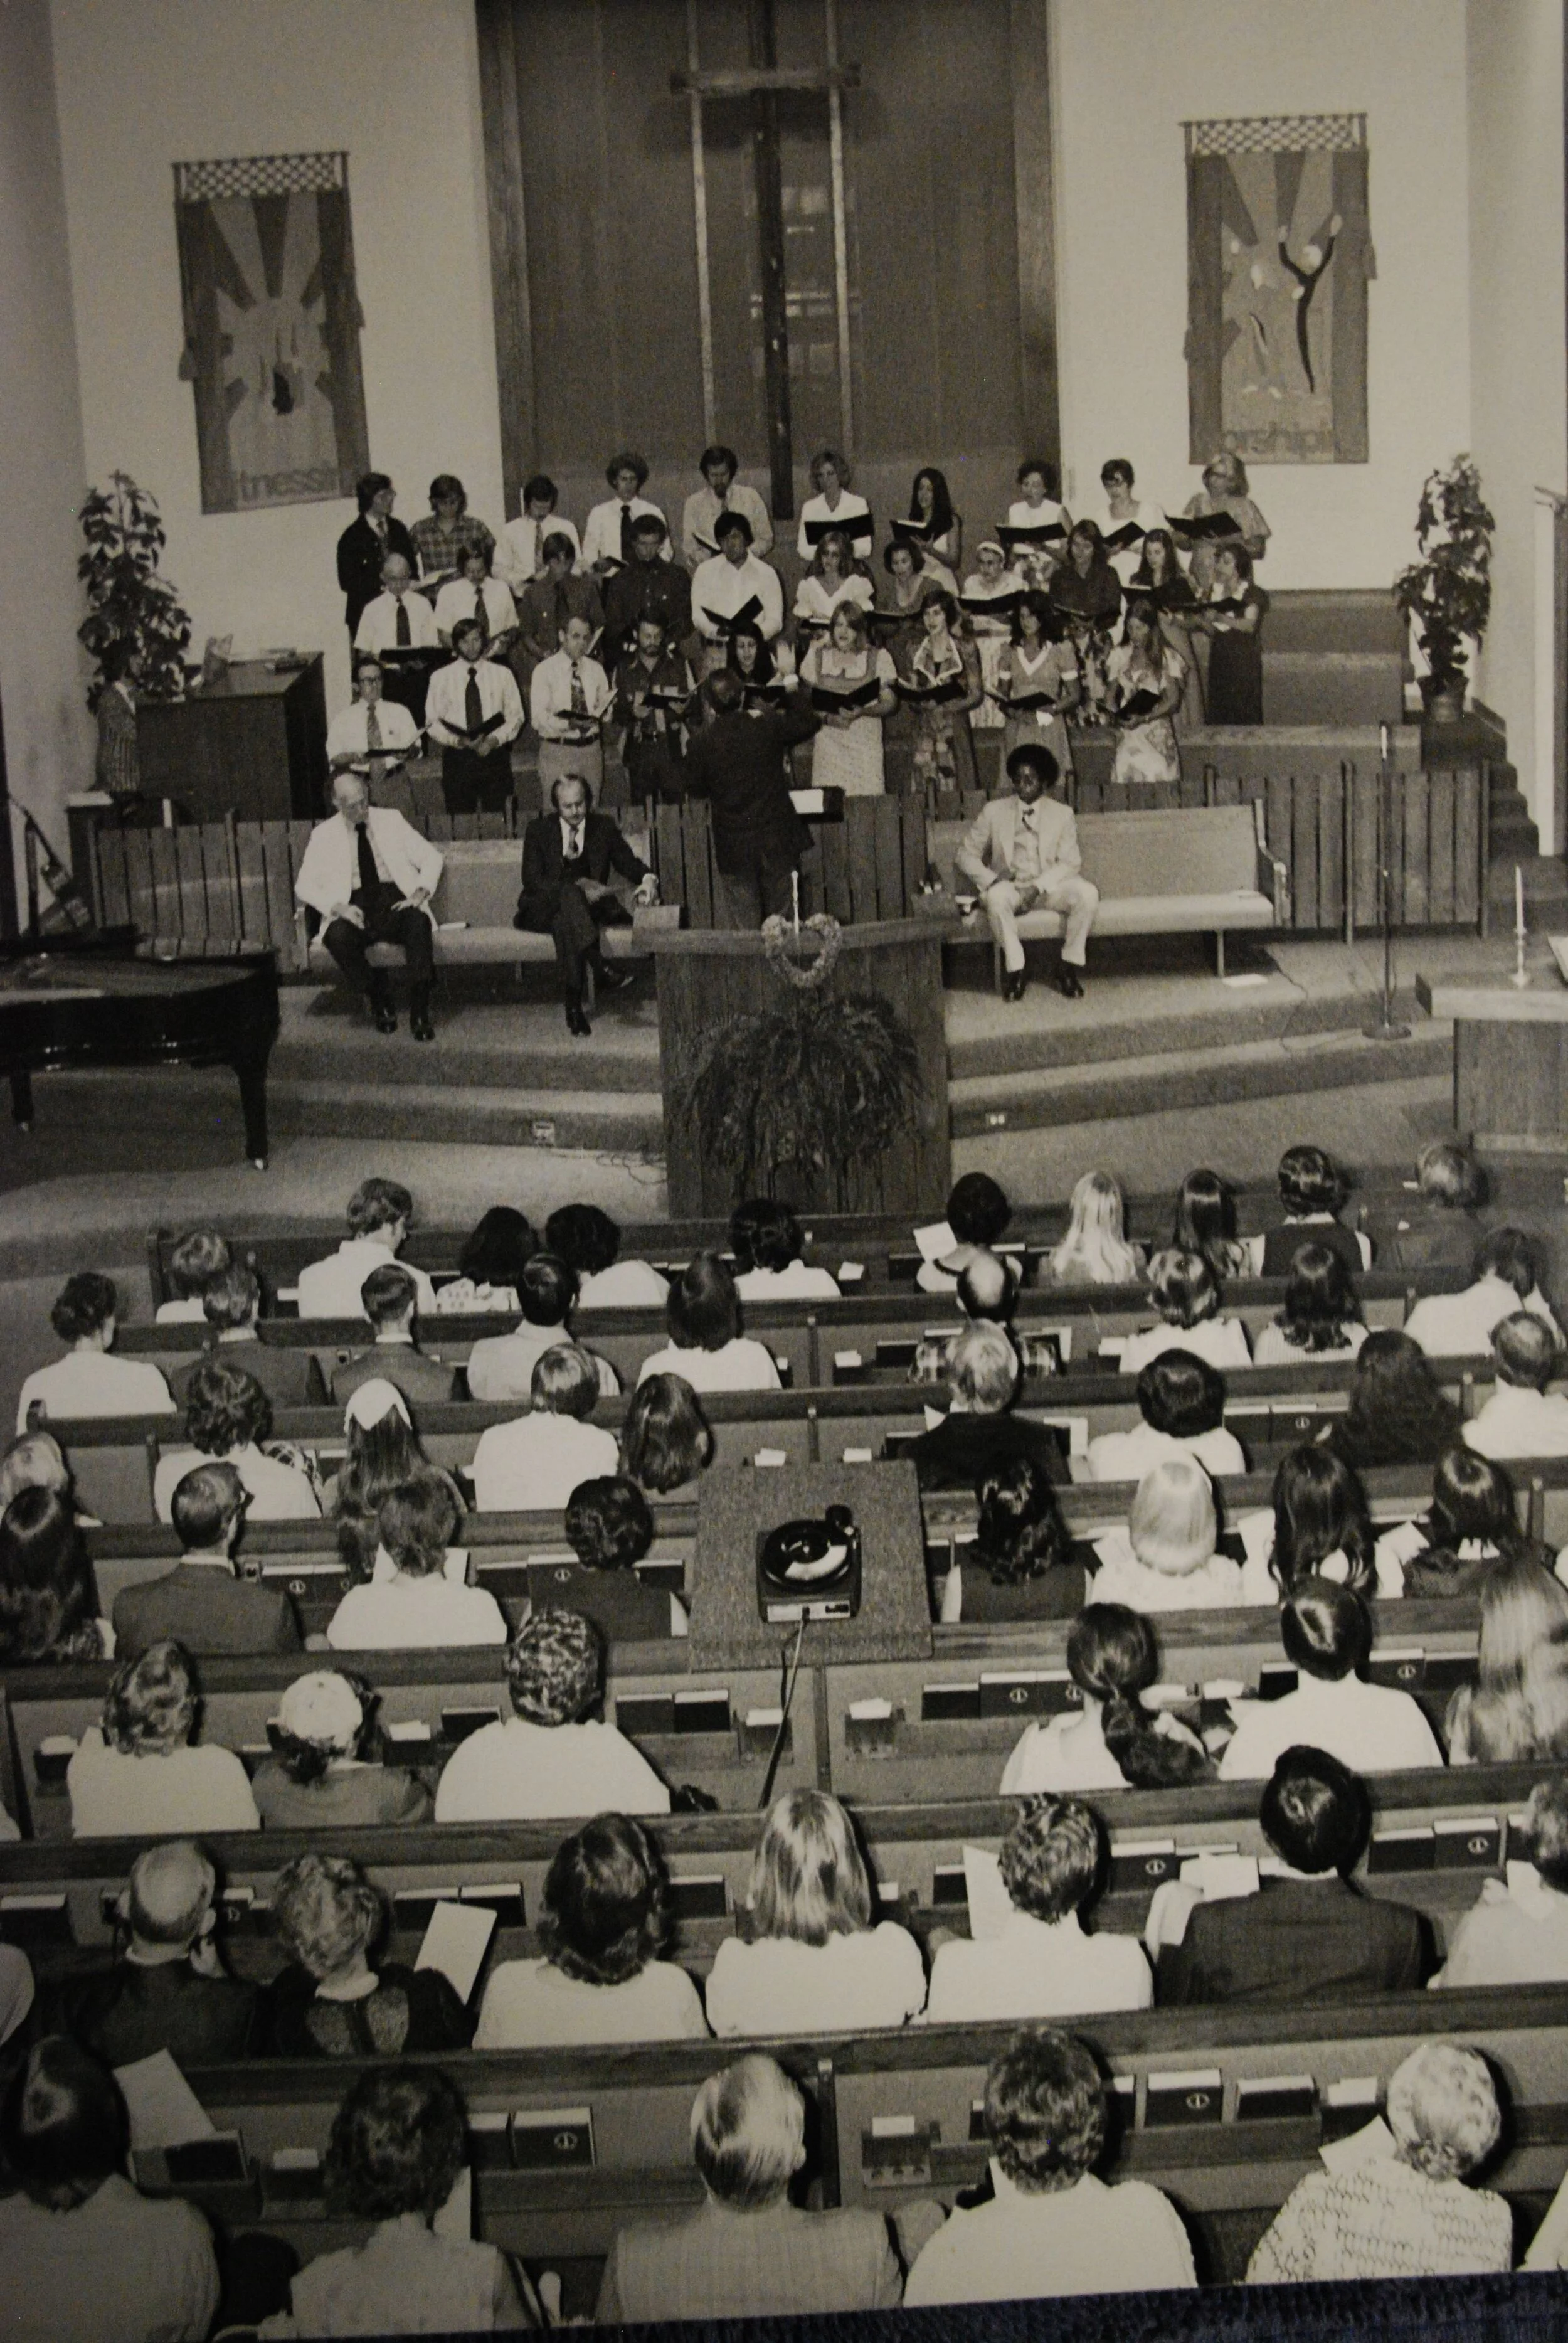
[475, 713]
[374, 736]
[724, 588]
[707, 506]
[370, 876]
[520, 555]
[399, 625]
[569, 699]
[1023, 852]
[607, 538]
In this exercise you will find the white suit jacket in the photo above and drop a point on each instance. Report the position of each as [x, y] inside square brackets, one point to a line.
[329, 871]
[987, 850]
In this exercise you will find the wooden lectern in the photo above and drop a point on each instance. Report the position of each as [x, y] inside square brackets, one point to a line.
[1510, 1061]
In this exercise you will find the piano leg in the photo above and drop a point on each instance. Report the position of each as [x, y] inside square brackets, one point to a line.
[22, 1098]
[250, 1069]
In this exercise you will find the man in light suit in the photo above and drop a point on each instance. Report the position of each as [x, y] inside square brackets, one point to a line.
[370, 876]
[1023, 852]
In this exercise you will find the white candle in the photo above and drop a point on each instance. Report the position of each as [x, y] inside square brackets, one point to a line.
[1518, 901]
[1382, 742]
[795, 896]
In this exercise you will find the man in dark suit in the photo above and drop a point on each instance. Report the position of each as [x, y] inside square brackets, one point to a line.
[738, 763]
[365, 545]
[568, 855]
[231, 1304]
[648, 587]
[390, 1298]
[980, 1431]
[1309, 1935]
[167, 1992]
[201, 1603]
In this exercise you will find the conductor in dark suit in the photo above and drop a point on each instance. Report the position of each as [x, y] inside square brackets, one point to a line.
[568, 855]
[365, 545]
[738, 763]
[1308, 1935]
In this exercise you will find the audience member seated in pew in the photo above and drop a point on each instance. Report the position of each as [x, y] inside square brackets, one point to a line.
[501, 1366]
[554, 1755]
[380, 1213]
[329, 2002]
[228, 1418]
[589, 1242]
[195, 1260]
[1313, 1191]
[1306, 1933]
[816, 1954]
[1166, 1558]
[202, 1603]
[1522, 1418]
[977, 1213]
[89, 1380]
[1471, 1525]
[398, 2146]
[1327, 1637]
[167, 1989]
[1453, 1188]
[49, 1594]
[103, 2263]
[1516, 1933]
[231, 1307]
[1205, 1223]
[1322, 1318]
[381, 1451]
[139, 1773]
[1318, 1528]
[1111, 1743]
[1028, 1952]
[766, 1241]
[418, 1598]
[605, 1928]
[1181, 1399]
[1186, 1292]
[986, 1293]
[706, 1345]
[1504, 1277]
[534, 1463]
[748, 2252]
[664, 1440]
[491, 1264]
[978, 1434]
[390, 1298]
[1049, 2225]
[1020, 1565]
[1396, 1412]
[35, 1460]
[1517, 1708]
[327, 1768]
[1408, 2215]
[1094, 1251]
[609, 1529]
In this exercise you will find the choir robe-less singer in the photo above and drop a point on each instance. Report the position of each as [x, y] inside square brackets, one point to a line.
[366, 860]
[474, 692]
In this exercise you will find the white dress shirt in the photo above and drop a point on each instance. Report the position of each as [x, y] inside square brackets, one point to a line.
[403, 1614]
[624, 1285]
[1222, 1340]
[1372, 1728]
[1518, 1421]
[534, 2005]
[725, 587]
[796, 1282]
[1086, 2240]
[279, 1492]
[519, 1772]
[445, 704]
[741, 1365]
[850, 508]
[1127, 1455]
[533, 1465]
[377, 629]
[518, 557]
[699, 522]
[459, 599]
[777, 1984]
[1037, 1969]
[550, 694]
[601, 538]
[346, 733]
[94, 1383]
[329, 872]
[1459, 1325]
[501, 1366]
[332, 1287]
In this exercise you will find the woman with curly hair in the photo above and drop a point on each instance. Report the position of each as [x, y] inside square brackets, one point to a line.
[1397, 1413]
[328, 2002]
[1020, 1565]
[228, 1415]
[139, 1773]
[49, 1598]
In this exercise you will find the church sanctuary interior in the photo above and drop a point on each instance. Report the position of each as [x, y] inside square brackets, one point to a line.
[784, 973]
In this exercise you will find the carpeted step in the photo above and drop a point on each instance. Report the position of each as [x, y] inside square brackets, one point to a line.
[610, 1121]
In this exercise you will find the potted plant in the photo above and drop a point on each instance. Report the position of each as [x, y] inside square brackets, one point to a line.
[128, 601]
[1448, 592]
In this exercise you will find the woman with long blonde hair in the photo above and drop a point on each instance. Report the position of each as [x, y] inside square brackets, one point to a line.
[1518, 1706]
[1095, 1251]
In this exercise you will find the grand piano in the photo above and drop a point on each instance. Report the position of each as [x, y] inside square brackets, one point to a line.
[90, 1001]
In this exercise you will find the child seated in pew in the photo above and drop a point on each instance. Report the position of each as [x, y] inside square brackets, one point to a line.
[1020, 1564]
[1313, 1191]
[589, 1242]
[1186, 1292]
[491, 1264]
[1094, 1251]
[1319, 1527]
[1167, 1558]
[602, 1976]
[1326, 1633]
[1522, 1418]
[195, 1260]
[1471, 1525]
[1111, 1742]
[554, 1755]
[139, 1774]
[609, 1529]
[666, 1442]
[1322, 1318]
[327, 1769]
[766, 1241]
[1517, 1709]
[328, 2001]
[1035, 1958]
[1516, 1933]
[418, 1597]
[48, 1596]
[90, 1379]
[1181, 1399]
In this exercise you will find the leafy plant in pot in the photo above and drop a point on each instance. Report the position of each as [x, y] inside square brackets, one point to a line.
[128, 601]
[1448, 592]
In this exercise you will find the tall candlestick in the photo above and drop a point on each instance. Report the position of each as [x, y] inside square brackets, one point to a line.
[795, 896]
[1382, 742]
[1518, 901]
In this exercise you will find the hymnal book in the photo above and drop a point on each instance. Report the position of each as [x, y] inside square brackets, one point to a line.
[1398, 1671]
[37, 1919]
[702, 1712]
[768, 695]
[893, 619]
[457, 1724]
[1147, 1863]
[856, 526]
[832, 701]
[932, 694]
[1028, 1691]
[674, 703]
[456, 1942]
[1349, 2108]
[949, 1885]
[1467, 1843]
[992, 605]
[476, 731]
[1276, 1678]
[551, 2139]
[1122, 540]
[948, 1704]
[1045, 532]
[1202, 527]
[1275, 2098]
[1022, 703]
[1233, 607]
[1401, 1850]
[1196, 2097]
[638, 1714]
[415, 1908]
[1142, 703]
[751, 610]
[292, 2177]
[698, 1896]
[504, 1897]
[489, 2140]
[912, 532]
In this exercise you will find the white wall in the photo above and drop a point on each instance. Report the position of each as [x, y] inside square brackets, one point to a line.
[1519, 396]
[43, 670]
[144, 84]
[1127, 74]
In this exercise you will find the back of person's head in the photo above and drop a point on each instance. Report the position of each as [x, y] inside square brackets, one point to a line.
[233, 1298]
[1523, 1616]
[151, 1703]
[195, 1260]
[1320, 1299]
[604, 1912]
[1314, 1812]
[397, 2144]
[325, 1911]
[1526, 1351]
[1181, 1395]
[499, 1248]
[583, 1237]
[415, 1521]
[547, 1289]
[63, 2127]
[1472, 1497]
[554, 1666]
[226, 1408]
[1508, 1254]
[1021, 1533]
[328, 1715]
[48, 1596]
[1045, 2110]
[171, 1891]
[764, 1234]
[1326, 1630]
[1205, 1221]
[1546, 1830]
[1183, 1287]
[1320, 1511]
[1450, 1175]
[986, 1287]
[388, 1296]
[565, 1381]
[748, 2133]
[1443, 2110]
[978, 1211]
[1112, 1652]
[34, 1460]
[1095, 1245]
[664, 1439]
[378, 1454]
[1310, 1181]
[809, 1881]
[608, 1524]
[1171, 1522]
[1052, 1856]
[704, 1310]
[1396, 1410]
[84, 1305]
[206, 1501]
[379, 1204]
[982, 1369]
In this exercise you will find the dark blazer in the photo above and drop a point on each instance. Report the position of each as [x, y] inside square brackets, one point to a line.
[360, 553]
[289, 1377]
[956, 1453]
[737, 763]
[405, 1367]
[205, 1610]
[539, 614]
[1297, 1940]
[654, 589]
[1282, 1244]
[127, 2012]
[411, 2010]
[604, 851]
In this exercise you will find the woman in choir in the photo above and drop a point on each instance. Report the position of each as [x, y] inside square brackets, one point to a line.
[766, 669]
[1224, 491]
[944, 748]
[1162, 579]
[1131, 518]
[1231, 615]
[1035, 662]
[834, 501]
[990, 581]
[1086, 589]
[1147, 679]
[832, 579]
[1035, 507]
[931, 510]
[847, 753]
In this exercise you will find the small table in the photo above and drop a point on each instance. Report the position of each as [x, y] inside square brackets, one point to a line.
[1510, 1060]
[253, 744]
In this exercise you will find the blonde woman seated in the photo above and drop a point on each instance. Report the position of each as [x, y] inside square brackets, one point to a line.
[1165, 1558]
[1186, 1292]
[1322, 1318]
[816, 1954]
[1111, 1743]
[1095, 1251]
[138, 1775]
[1181, 1400]
[1517, 1709]
[418, 1597]
[1517, 1934]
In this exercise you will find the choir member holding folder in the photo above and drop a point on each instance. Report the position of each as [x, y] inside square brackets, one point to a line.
[834, 506]
[473, 714]
[607, 539]
[520, 555]
[1223, 508]
[831, 579]
[735, 588]
[1034, 535]
[1160, 579]
[1037, 681]
[1130, 519]
[932, 524]
[1231, 615]
[851, 689]
[944, 687]
[1087, 591]
[706, 507]
[991, 596]
[767, 670]
[1147, 679]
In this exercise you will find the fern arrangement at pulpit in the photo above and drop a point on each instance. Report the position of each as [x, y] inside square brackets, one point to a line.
[1448, 592]
[128, 601]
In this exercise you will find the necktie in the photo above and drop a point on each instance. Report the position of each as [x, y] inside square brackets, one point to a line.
[479, 609]
[626, 532]
[403, 634]
[575, 843]
[473, 706]
[563, 611]
[579, 697]
[372, 732]
[368, 880]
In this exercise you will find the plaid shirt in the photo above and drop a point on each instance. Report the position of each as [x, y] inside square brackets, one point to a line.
[442, 548]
